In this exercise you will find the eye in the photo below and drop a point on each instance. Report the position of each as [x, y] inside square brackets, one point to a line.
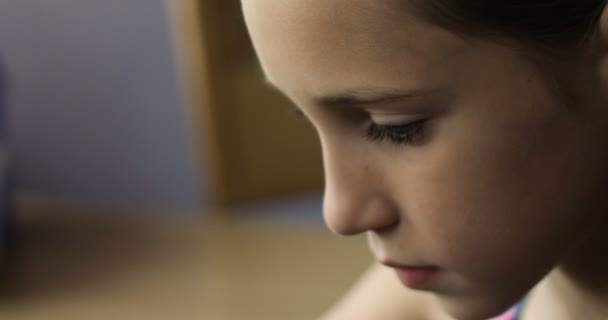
[397, 134]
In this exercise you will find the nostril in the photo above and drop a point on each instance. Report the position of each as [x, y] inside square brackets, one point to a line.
[344, 230]
[388, 227]
[352, 225]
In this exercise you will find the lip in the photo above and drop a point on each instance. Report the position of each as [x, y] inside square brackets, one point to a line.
[416, 277]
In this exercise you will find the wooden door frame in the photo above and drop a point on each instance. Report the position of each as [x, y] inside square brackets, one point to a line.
[220, 78]
[193, 55]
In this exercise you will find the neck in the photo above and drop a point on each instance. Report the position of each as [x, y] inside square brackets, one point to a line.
[587, 267]
[578, 288]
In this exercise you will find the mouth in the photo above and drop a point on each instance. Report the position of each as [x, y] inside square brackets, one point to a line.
[417, 277]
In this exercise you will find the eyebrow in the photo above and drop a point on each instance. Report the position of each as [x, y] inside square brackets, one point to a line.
[365, 97]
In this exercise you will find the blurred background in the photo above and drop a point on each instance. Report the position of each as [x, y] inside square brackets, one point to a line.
[149, 173]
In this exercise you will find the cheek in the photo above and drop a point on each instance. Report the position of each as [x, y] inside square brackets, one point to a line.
[465, 224]
[463, 219]
[485, 200]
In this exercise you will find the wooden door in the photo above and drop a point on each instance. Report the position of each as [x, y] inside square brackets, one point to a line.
[255, 147]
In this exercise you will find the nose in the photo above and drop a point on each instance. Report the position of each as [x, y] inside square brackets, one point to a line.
[354, 200]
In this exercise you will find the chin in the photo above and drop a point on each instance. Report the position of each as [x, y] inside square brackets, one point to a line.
[471, 309]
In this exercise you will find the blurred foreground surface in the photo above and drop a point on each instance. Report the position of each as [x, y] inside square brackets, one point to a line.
[83, 265]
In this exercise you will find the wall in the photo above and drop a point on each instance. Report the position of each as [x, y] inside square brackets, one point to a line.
[95, 106]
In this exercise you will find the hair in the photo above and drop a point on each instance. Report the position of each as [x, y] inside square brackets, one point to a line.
[550, 27]
[549, 33]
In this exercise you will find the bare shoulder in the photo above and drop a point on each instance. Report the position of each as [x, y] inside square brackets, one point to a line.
[378, 295]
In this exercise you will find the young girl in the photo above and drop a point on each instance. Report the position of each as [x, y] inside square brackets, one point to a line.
[467, 139]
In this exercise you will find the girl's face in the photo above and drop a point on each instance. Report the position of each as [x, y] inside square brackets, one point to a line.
[447, 152]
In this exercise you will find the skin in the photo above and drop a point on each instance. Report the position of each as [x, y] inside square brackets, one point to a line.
[502, 188]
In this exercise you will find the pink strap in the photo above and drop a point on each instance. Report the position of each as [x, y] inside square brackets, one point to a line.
[509, 315]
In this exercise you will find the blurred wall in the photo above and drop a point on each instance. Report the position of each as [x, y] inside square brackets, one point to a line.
[96, 113]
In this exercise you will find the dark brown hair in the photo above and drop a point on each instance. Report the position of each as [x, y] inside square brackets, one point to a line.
[549, 33]
[553, 27]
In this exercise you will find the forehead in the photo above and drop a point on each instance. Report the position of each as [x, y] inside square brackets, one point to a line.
[308, 47]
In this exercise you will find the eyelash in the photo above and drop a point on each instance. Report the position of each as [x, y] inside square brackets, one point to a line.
[397, 134]
[297, 112]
